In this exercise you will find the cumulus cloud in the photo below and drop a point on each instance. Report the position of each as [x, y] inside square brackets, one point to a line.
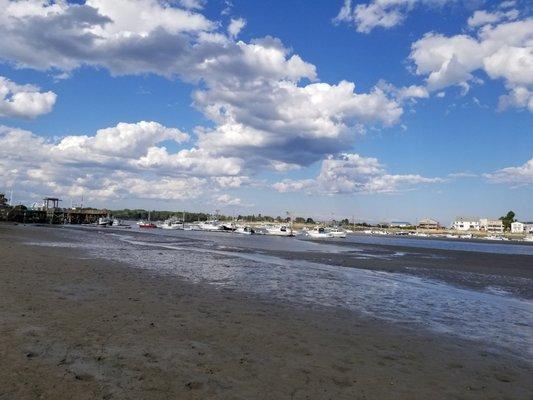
[287, 123]
[266, 102]
[520, 175]
[503, 51]
[380, 13]
[124, 161]
[350, 173]
[24, 101]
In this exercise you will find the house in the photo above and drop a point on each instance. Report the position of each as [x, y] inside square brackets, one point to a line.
[466, 224]
[528, 227]
[491, 225]
[518, 227]
[428, 223]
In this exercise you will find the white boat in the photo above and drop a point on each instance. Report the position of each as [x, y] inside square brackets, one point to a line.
[171, 224]
[279, 230]
[210, 226]
[104, 221]
[467, 236]
[245, 230]
[528, 238]
[336, 232]
[319, 233]
[493, 237]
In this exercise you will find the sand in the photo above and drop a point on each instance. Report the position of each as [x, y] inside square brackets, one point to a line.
[77, 328]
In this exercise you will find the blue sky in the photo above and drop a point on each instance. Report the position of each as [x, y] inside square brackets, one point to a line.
[375, 109]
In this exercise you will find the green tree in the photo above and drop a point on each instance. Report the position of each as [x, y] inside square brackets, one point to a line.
[508, 220]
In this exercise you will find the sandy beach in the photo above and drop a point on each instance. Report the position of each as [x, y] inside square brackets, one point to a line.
[75, 327]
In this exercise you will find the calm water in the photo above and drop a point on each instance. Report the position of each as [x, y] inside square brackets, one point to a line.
[242, 263]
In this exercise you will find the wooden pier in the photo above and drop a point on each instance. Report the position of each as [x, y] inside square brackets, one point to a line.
[51, 213]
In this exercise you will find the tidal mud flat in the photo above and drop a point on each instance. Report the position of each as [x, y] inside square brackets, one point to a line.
[74, 325]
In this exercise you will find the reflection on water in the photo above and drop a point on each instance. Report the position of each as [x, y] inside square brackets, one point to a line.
[493, 317]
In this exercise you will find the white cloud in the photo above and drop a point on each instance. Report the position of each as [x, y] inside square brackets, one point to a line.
[380, 13]
[24, 101]
[520, 175]
[503, 51]
[192, 4]
[483, 17]
[266, 103]
[351, 173]
[117, 162]
[235, 27]
[227, 200]
[287, 123]
[519, 97]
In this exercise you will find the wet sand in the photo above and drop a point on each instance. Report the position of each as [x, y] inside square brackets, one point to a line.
[476, 270]
[78, 328]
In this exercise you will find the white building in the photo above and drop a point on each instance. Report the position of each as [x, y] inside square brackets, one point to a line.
[466, 224]
[518, 227]
[491, 225]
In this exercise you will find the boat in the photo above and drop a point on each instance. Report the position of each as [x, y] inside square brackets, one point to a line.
[146, 224]
[104, 221]
[494, 237]
[279, 230]
[319, 233]
[336, 232]
[171, 224]
[210, 226]
[245, 230]
[528, 238]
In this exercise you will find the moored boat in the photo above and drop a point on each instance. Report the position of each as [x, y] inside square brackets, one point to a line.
[279, 230]
[245, 230]
[319, 233]
[336, 232]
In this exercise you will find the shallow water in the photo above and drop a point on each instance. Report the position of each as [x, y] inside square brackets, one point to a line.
[494, 317]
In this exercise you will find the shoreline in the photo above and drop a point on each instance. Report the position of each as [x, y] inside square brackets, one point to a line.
[84, 328]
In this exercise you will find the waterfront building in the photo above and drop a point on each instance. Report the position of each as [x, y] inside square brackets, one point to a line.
[518, 227]
[466, 224]
[428, 223]
[491, 225]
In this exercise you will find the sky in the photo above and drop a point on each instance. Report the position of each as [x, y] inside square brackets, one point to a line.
[378, 110]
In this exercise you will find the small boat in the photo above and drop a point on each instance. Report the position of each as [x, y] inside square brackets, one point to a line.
[319, 233]
[494, 237]
[146, 224]
[210, 226]
[171, 224]
[279, 230]
[528, 238]
[336, 232]
[245, 230]
[104, 221]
